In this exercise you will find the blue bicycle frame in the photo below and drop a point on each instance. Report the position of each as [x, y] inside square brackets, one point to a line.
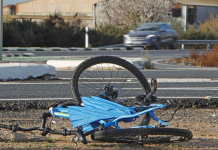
[63, 112]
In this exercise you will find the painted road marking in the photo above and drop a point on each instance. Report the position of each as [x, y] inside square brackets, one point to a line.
[129, 80]
[58, 99]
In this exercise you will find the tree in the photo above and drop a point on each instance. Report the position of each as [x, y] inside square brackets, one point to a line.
[132, 12]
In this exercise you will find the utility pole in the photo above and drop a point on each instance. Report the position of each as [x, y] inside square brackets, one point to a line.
[1, 28]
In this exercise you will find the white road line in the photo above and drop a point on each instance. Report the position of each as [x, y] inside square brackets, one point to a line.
[20, 83]
[175, 88]
[53, 99]
[129, 80]
[191, 88]
[162, 80]
[36, 99]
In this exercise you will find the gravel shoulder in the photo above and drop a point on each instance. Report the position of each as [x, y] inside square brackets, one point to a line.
[202, 122]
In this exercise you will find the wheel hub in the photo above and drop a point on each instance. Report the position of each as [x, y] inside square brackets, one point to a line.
[118, 96]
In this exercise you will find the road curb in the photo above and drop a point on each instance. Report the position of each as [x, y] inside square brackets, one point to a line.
[68, 49]
[72, 64]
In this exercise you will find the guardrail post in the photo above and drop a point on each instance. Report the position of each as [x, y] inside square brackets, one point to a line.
[183, 46]
[87, 38]
[208, 46]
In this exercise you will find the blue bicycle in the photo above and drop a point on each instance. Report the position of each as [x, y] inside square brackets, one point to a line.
[101, 102]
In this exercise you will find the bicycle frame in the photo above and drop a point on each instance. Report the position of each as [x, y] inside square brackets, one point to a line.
[62, 112]
[82, 131]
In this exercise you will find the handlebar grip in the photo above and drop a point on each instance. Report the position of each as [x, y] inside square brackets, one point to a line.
[5, 126]
[55, 132]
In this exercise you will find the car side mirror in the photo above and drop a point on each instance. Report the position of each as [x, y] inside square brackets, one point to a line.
[161, 30]
[131, 30]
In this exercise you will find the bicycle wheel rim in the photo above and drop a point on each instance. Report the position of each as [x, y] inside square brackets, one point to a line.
[90, 78]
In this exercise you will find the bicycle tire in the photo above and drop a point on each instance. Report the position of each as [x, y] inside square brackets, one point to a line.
[84, 68]
[131, 135]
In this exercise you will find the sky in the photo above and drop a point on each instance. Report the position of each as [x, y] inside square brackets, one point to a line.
[8, 2]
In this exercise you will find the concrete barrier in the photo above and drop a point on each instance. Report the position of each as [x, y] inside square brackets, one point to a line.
[22, 71]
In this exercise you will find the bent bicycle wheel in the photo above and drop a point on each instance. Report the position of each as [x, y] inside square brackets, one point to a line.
[142, 135]
[98, 74]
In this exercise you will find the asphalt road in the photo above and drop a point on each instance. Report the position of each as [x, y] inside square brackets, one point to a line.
[190, 83]
[153, 54]
[61, 89]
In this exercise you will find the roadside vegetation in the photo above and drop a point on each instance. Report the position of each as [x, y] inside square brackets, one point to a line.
[195, 58]
[56, 32]
[206, 31]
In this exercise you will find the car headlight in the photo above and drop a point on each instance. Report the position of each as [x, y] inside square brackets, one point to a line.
[149, 37]
[126, 37]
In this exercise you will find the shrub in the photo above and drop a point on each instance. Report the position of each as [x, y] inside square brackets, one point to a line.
[210, 25]
[54, 32]
[208, 58]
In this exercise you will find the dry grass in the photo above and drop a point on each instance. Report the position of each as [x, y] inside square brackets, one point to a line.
[208, 58]
[195, 58]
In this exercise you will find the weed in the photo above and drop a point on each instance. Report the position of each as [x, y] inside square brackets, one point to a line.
[145, 56]
[50, 140]
[45, 145]
[194, 106]
[90, 46]
[117, 146]
[174, 146]
[28, 144]
[67, 147]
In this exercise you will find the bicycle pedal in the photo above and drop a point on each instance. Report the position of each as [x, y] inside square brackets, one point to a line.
[143, 100]
[154, 84]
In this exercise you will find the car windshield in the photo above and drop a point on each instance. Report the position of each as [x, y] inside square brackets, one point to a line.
[145, 27]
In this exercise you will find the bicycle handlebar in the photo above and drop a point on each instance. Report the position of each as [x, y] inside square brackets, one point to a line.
[16, 128]
[63, 132]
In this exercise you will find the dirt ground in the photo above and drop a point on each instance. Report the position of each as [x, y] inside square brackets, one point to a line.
[202, 122]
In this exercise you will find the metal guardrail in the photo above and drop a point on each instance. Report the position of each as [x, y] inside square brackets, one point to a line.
[179, 42]
[200, 42]
[118, 45]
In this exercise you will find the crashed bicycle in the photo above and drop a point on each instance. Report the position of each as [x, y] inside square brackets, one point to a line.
[102, 99]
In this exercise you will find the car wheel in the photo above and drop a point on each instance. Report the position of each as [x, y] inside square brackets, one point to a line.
[129, 48]
[157, 45]
[148, 48]
[174, 44]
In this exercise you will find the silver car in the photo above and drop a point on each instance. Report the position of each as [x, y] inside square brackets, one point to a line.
[151, 35]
